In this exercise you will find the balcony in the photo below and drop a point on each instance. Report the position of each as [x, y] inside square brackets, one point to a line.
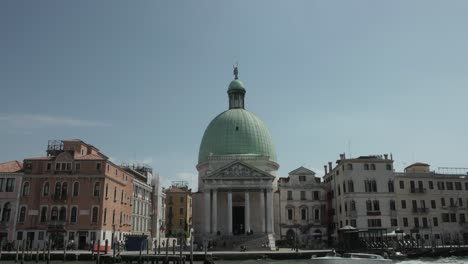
[418, 190]
[373, 213]
[59, 198]
[56, 226]
[314, 222]
[420, 210]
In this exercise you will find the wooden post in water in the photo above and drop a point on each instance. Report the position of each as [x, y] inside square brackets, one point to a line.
[92, 250]
[1, 245]
[167, 251]
[155, 247]
[23, 245]
[48, 250]
[43, 251]
[37, 253]
[98, 259]
[173, 246]
[141, 249]
[191, 249]
[17, 249]
[64, 250]
[148, 242]
[180, 249]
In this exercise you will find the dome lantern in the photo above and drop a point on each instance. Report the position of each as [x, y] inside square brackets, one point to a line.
[236, 92]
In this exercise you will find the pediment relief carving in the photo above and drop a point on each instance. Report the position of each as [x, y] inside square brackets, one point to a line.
[239, 170]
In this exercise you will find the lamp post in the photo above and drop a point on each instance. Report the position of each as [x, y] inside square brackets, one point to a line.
[295, 236]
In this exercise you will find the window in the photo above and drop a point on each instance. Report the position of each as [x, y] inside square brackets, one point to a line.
[26, 189]
[115, 194]
[460, 202]
[45, 190]
[54, 214]
[388, 167]
[391, 187]
[424, 222]
[22, 214]
[445, 218]
[466, 186]
[431, 185]
[370, 186]
[369, 205]
[64, 190]
[393, 222]
[304, 214]
[458, 186]
[353, 205]
[339, 190]
[376, 205]
[76, 188]
[402, 184]
[442, 202]
[97, 189]
[316, 195]
[440, 185]
[350, 186]
[450, 186]
[181, 199]
[58, 187]
[344, 188]
[349, 166]
[44, 214]
[374, 222]
[10, 185]
[63, 214]
[181, 210]
[113, 216]
[372, 166]
[302, 178]
[290, 214]
[403, 204]
[405, 222]
[73, 215]
[41, 235]
[19, 235]
[433, 204]
[462, 218]
[453, 218]
[289, 195]
[94, 216]
[107, 190]
[2, 181]
[98, 166]
[105, 215]
[49, 166]
[122, 196]
[392, 205]
[77, 166]
[303, 195]
[416, 222]
[366, 166]
[353, 222]
[415, 204]
[317, 214]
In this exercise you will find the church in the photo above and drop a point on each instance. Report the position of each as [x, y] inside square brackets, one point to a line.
[236, 174]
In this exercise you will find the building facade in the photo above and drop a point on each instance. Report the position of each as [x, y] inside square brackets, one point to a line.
[142, 202]
[236, 174]
[11, 174]
[432, 207]
[75, 193]
[361, 194]
[302, 209]
[178, 209]
[159, 210]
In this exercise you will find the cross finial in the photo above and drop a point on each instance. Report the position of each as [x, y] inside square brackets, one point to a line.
[236, 71]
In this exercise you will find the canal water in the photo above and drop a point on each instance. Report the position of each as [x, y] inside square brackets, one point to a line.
[450, 260]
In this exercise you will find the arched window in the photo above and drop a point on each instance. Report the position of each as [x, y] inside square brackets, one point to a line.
[63, 214]
[73, 214]
[369, 205]
[107, 190]
[376, 205]
[366, 166]
[344, 187]
[392, 205]
[120, 219]
[391, 187]
[76, 188]
[350, 186]
[346, 207]
[372, 166]
[97, 189]
[94, 218]
[54, 214]
[6, 212]
[26, 189]
[105, 215]
[113, 216]
[353, 205]
[22, 214]
[122, 196]
[64, 190]
[115, 194]
[45, 190]
[44, 214]
[389, 167]
[58, 187]
[304, 213]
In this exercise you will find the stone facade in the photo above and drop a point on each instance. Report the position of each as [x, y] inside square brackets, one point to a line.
[10, 185]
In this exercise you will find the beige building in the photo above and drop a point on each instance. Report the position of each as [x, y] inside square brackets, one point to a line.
[432, 204]
[11, 174]
[178, 209]
[301, 199]
[361, 193]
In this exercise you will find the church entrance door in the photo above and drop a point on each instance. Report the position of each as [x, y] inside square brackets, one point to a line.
[238, 225]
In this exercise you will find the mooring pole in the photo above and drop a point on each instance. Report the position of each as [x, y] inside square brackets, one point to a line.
[98, 259]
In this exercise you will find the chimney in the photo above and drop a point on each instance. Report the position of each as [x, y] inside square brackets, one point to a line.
[385, 156]
[342, 156]
[391, 156]
[330, 166]
[325, 167]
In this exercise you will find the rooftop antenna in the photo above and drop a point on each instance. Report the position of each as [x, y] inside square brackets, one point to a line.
[349, 149]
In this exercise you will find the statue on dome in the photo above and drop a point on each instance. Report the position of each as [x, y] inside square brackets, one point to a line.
[236, 71]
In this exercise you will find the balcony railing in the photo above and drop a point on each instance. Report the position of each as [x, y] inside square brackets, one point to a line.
[420, 210]
[373, 213]
[59, 197]
[418, 190]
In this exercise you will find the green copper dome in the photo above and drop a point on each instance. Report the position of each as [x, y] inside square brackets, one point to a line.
[236, 131]
[236, 85]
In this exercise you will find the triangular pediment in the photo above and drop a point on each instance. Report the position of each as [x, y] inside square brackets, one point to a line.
[239, 169]
[302, 171]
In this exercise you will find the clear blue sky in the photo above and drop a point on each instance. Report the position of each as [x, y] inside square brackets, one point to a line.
[141, 80]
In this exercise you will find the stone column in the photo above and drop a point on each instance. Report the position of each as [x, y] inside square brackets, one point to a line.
[247, 211]
[269, 211]
[214, 209]
[262, 210]
[207, 211]
[229, 210]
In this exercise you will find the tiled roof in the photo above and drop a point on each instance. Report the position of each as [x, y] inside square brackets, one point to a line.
[90, 157]
[176, 190]
[418, 164]
[41, 158]
[11, 166]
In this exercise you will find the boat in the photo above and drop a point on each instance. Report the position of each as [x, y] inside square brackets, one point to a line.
[351, 258]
